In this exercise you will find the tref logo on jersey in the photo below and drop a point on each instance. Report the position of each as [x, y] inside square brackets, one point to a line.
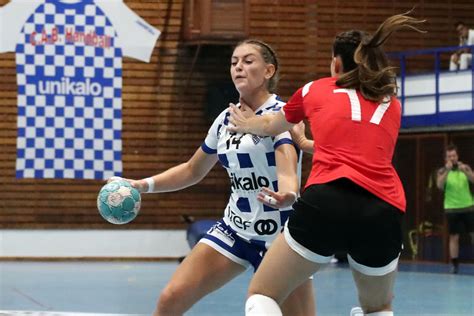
[251, 183]
[237, 220]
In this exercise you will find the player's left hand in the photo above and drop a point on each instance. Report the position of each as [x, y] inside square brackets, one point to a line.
[276, 199]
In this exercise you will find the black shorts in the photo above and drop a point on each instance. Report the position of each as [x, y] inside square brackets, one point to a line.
[341, 216]
[460, 222]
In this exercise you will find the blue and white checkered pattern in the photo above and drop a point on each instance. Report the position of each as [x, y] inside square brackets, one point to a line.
[69, 94]
[250, 163]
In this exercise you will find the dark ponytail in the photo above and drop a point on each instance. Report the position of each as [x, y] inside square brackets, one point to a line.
[365, 65]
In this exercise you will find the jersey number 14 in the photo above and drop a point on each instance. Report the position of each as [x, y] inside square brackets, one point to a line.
[235, 140]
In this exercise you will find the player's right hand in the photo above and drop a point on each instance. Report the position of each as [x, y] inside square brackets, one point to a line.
[140, 185]
[276, 199]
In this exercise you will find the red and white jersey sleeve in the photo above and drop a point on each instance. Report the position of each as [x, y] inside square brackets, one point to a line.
[293, 110]
[353, 137]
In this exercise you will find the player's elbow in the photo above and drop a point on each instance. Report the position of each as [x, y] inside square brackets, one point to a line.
[194, 172]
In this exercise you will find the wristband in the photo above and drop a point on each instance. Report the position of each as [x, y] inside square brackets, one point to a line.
[151, 185]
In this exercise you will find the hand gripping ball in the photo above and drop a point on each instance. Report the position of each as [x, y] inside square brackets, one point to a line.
[118, 202]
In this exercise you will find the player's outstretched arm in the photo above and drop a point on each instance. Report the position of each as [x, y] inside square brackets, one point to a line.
[178, 177]
[263, 125]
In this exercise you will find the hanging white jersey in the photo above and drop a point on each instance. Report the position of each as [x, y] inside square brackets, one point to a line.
[69, 75]
[250, 163]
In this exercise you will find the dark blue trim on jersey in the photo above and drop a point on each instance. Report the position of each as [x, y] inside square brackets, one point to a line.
[244, 205]
[275, 185]
[259, 243]
[226, 119]
[271, 159]
[283, 141]
[269, 209]
[223, 159]
[245, 161]
[218, 129]
[208, 150]
[71, 5]
[284, 216]
[273, 107]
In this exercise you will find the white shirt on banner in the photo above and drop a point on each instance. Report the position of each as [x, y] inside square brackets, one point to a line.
[69, 75]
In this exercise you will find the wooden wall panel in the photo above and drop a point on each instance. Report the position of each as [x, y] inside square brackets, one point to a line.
[164, 102]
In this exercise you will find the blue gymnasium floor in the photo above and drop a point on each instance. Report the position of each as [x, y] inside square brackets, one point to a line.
[132, 287]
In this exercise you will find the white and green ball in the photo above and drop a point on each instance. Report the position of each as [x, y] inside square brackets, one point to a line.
[118, 202]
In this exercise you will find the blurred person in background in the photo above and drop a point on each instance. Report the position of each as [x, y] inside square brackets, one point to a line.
[454, 180]
[462, 59]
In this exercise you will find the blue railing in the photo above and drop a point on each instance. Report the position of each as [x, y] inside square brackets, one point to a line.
[439, 117]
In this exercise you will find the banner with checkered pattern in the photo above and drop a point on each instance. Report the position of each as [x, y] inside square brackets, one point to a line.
[69, 75]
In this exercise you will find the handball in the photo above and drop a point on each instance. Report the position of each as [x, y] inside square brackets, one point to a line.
[118, 202]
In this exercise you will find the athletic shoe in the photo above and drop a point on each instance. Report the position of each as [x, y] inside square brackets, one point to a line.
[357, 311]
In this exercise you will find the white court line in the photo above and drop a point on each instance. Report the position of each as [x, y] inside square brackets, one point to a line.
[32, 313]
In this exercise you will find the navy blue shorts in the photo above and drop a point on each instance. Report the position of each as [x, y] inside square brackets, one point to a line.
[226, 241]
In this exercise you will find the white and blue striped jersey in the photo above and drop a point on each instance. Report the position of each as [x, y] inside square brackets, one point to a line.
[69, 74]
[250, 163]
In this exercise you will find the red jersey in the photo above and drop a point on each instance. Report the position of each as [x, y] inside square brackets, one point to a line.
[353, 137]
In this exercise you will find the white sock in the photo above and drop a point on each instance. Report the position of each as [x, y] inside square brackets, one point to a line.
[384, 313]
[261, 305]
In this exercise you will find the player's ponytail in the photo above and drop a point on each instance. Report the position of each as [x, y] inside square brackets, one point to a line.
[365, 65]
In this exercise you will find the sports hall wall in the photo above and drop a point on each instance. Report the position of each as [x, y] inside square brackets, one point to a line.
[165, 103]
